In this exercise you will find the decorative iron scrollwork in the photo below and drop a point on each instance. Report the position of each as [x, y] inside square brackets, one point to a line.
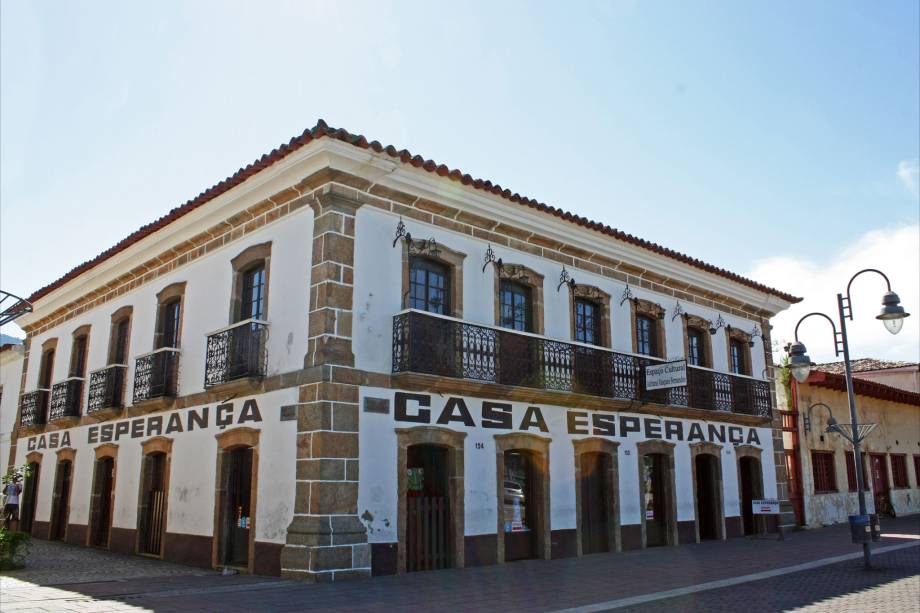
[505, 271]
[720, 323]
[754, 334]
[427, 246]
[627, 295]
[678, 311]
[565, 279]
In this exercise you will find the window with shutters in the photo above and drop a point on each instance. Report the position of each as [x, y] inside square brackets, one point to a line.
[899, 470]
[822, 464]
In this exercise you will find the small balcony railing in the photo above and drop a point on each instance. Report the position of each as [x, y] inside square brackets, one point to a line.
[107, 389]
[66, 398]
[156, 374]
[438, 345]
[236, 352]
[33, 408]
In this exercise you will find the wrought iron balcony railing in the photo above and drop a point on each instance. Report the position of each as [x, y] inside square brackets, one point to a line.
[66, 398]
[236, 352]
[438, 345]
[107, 388]
[33, 408]
[156, 374]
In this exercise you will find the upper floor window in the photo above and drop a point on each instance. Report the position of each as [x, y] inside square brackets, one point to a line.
[646, 335]
[78, 354]
[696, 347]
[587, 321]
[516, 306]
[429, 286]
[120, 336]
[250, 283]
[252, 299]
[738, 351]
[46, 368]
[169, 323]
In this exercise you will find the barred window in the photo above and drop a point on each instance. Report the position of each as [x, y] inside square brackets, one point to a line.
[822, 464]
[851, 473]
[899, 470]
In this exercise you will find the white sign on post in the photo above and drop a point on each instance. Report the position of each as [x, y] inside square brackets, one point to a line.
[669, 374]
[768, 506]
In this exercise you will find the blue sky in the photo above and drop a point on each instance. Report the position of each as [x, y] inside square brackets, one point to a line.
[737, 132]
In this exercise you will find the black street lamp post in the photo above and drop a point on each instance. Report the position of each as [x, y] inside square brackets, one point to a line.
[892, 315]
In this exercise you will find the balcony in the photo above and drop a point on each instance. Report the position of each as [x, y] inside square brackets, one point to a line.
[106, 389]
[437, 345]
[236, 352]
[33, 408]
[156, 374]
[66, 398]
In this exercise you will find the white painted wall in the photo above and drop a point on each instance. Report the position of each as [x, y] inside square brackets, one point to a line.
[378, 491]
[192, 472]
[10, 380]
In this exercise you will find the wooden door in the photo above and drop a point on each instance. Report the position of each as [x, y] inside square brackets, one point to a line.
[751, 490]
[793, 479]
[595, 503]
[522, 512]
[656, 508]
[879, 481]
[102, 502]
[236, 512]
[60, 504]
[152, 512]
[707, 497]
[428, 516]
[29, 498]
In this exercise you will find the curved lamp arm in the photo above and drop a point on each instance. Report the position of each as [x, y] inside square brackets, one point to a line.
[831, 422]
[833, 326]
[849, 303]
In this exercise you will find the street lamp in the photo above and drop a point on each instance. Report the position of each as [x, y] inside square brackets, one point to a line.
[892, 315]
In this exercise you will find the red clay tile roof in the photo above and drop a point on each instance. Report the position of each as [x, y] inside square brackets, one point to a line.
[862, 387]
[322, 130]
[863, 365]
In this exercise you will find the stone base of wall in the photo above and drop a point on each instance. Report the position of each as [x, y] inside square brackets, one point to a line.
[123, 540]
[326, 548]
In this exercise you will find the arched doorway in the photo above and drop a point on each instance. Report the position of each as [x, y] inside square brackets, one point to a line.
[30, 493]
[658, 503]
[428, 510]
[237, 470]
[523, 497]
[60, 500]
[597, 495]
[102, 501]
[750, 486]
[708, 500]
[153, 497]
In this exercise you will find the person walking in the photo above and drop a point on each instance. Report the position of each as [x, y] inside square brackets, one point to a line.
[11, 492]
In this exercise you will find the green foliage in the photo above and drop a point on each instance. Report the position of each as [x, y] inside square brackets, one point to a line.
[16, 474]
[785, 377]
[13, 549]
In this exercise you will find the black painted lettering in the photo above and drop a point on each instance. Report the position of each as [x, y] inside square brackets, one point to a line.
[673, 430]
[735, 435]
[533, 416]
[105, 433]
[250, 412]
[604, 425]
[496, 415]
[92, 435]
[628, 424]
[754, 439]
[154, 425]
[577, 422]
[401, 409]
[174, 425]
[462, 413]
[200, 419]
[31, 445]
[652, 427]
[137, 427]
[716, 433]
[53, 440]
[65, 439]
[42, 443]
[121, 427]
[696, 433]
[224, 415]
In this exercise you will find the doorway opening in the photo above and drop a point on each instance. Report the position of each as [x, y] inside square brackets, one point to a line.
[656, 508]
[595, 502]
[29, 498]
[429, 525]
[522, 512]
[235, 507]
[102, 499]
[751, 484]
[152, 510]
[708, 501]
[880, 487]
[60, 500]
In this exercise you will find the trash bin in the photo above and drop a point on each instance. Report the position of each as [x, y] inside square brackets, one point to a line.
[859, 529]
[876, 527]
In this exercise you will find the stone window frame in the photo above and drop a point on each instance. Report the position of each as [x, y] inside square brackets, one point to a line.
[65, 454]
[750, 451]
[157, 444]
[525, 276]
[695, 322]
[453, 441]
[711, 449]
[124, 313]
[653, 310]
[106, 450]
[734, 334]
[165, 296]
[666, 449]
[539, 447]
[227, 441]
[602, 300]
[244, 261]
[611, 449]
[448, 257]
[84, 332]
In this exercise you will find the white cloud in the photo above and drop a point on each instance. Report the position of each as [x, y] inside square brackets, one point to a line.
[909, 173]
[896, 252]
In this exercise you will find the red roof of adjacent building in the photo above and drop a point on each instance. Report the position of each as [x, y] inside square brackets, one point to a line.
[322, 130]
[862, 387]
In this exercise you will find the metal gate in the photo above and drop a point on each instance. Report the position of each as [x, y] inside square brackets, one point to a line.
[427, 531]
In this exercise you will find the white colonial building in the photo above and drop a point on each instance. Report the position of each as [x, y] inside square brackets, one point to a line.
[346, 359]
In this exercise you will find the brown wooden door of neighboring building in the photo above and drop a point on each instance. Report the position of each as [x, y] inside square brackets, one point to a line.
[794, 482]
[595, 502]
[102, 502]
[521, 506]
[60, 501]
[428, 516]
[880, 487]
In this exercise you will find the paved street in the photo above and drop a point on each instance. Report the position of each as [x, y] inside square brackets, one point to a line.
[813, 571]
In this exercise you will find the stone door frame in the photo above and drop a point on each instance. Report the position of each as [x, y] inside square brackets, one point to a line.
[539, 447]
[714, 450]
[665, 449]
[611, 481]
